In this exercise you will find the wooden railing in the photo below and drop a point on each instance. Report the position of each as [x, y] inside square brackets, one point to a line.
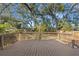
[65, 37]
[7, 39]
[71, 38]
[37, 35]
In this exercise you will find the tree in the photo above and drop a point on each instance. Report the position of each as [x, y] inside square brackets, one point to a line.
[31, 13]
[4, 27]
[64, 25]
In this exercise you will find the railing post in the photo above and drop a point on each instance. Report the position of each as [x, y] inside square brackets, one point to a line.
[19, 38]
[2, 41]
[73, 40]
[73, 43]
[58, 36]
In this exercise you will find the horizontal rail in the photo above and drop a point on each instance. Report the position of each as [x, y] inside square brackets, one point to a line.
[46, 33]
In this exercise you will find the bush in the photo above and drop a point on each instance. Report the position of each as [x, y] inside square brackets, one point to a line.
[6, 27]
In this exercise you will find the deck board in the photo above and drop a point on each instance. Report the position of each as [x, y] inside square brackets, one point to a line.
[39, 48]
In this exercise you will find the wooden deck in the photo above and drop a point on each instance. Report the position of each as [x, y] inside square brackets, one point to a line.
[39, 48]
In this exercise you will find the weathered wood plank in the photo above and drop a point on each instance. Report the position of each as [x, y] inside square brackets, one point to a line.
[39, 48]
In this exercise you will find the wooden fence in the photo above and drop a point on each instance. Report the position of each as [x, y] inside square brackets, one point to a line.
[38, 36]
[65, 37]
[8, 39]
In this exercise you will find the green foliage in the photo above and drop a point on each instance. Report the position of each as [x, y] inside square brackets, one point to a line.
[64, 25]
[6, 19]
[12, 21]
[53, 30]
[41, 28]
[53, 8]
[31, 13]
[5, 26]
[61, 7]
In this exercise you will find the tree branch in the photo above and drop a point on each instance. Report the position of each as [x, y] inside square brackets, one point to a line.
[28, 7]
[4, 9]
[71, 8]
